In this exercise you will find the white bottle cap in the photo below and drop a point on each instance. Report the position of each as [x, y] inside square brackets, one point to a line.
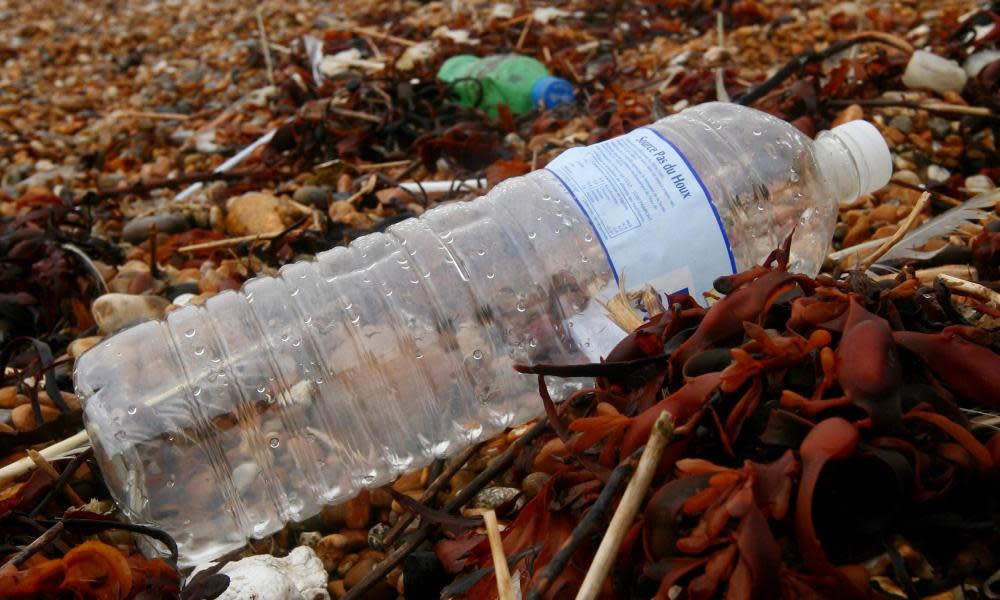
[870, 153]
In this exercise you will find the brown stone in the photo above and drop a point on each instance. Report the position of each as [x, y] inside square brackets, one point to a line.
[253, 213]
[23, 417]
[358, 511]
[78, 346]
[851, 113]
[408, 482]
[859, 232]
[358, 571]
[336, 588]
[68, 397]
[330, 552]
[9, 397]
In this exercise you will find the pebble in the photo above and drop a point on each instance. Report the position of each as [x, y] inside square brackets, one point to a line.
[904, 123]
[938, 173]
[114, 311]
[78, 346]
[312, 195]
[492, 497]
[9, 398]
[977, 60]
[940, 127]
[23, 416]
[852, 113]
[358, 511]
[297, 576]
[68, 397]
[134, 278]
[358, 571]
[534, 482]
[927, 70]
[979, 183]
[330, 551]
[253, 213]
[413, 480]
[310, 538]
[136, 231]
[184, 299]
[377, 534]
[907, 176]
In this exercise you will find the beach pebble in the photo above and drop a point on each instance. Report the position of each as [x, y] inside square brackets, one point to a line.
[114, 311]
[927, 70]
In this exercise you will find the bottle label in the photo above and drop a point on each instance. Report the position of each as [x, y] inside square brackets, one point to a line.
[650, 210]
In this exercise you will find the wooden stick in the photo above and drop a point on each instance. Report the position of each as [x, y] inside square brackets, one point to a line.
[265, 47]
[971, 289]
[229, 241]
[505, 588]
[46, 466]
[392, 164]
[344, 112]
[375, 33]
[902, 230]
[142, 114]
[444, 477]
[607, 552]
[524, 33]
[24, 465]
[28, 551]
[365, 189]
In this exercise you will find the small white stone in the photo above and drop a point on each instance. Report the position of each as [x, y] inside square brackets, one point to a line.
[979, 183]
[938, 173]
[977, 60]
[298, 576]
[544, 14]
[114, 311]
[502, 10]
[930, 71]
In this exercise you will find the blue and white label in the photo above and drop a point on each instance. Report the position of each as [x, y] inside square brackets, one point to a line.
[650, 210]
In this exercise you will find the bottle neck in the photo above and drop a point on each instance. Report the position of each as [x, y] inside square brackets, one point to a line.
[838, 166]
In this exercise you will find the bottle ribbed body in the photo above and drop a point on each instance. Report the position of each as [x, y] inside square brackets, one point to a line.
[223, 422]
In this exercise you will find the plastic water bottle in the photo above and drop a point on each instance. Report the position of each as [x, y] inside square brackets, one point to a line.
[520, 82]
[224, 422]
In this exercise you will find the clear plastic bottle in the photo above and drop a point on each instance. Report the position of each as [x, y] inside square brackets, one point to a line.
[222, 423]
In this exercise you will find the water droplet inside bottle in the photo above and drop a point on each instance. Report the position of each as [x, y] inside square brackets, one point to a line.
[295, 292]
[532, 343]
[196, 391]
[477, 354]
[356, 319]
[588, 238]
[388, 293]
[481, 252]
[261, 389]
[199, 350]
[307, 320]
[531, 235]
[418, 355]
[190, 332]
[273, 442]
[793, 177]
[490, 275]
[756, 132]
[284, 337]
[131, 410]
[171, 482]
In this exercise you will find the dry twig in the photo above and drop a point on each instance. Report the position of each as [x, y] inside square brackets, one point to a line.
[904, 228]
[505, 588]
[265, 46]
[627, 508]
